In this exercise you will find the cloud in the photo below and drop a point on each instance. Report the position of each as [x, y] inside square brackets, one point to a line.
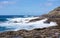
[48, 4]
[53, 0]
[5, 3]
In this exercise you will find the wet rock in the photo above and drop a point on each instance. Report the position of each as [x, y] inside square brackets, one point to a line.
[37, 19]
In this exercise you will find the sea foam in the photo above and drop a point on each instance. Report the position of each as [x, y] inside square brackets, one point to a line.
[22, 24]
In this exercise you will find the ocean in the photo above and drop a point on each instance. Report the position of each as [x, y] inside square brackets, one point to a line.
[21, 22]
[3, 18]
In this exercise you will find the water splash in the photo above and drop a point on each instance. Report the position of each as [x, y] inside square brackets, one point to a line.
[22, 24]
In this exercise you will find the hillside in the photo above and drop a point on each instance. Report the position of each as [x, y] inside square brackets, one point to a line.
[55, 12]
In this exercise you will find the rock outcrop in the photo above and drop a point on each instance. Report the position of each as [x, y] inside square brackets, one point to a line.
[50, 32]
[55, 12]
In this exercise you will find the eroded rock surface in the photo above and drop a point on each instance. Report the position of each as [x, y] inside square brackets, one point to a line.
[50, 32]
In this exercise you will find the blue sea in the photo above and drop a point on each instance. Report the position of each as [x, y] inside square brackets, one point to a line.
[21, 22]
[3, 18]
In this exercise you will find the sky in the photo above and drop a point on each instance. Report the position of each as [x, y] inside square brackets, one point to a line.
[27, 7]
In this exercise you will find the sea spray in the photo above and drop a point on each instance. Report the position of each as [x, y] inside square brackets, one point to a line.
[24, 25]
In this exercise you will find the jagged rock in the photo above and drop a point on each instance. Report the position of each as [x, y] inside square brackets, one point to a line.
[37, 19]
[50, 32]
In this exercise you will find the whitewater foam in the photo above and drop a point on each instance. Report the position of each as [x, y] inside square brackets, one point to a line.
[21, 20]
[22, 24]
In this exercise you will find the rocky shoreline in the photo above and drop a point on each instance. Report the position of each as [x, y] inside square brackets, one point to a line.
[50, 32]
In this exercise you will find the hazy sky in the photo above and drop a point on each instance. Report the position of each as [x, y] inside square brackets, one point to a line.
[27, 7]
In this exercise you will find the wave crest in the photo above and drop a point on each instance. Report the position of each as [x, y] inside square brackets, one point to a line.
[21, 23]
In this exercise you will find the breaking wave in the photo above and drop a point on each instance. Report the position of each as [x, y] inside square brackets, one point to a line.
[15, 24]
